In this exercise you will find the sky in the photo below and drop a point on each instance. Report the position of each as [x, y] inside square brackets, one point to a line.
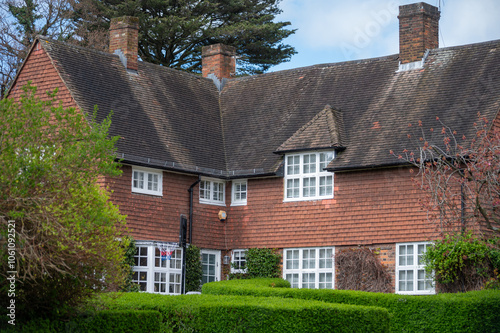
[342, 30]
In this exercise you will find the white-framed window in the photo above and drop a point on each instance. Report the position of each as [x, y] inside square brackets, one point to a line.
[239, 192]
[210, 265]
[212, 191]
[147, 181]
[155, 274]
[305, 178]
[239, 261]
[309, 267]
[411, 277]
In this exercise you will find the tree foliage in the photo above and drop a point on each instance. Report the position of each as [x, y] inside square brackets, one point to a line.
[460, 176]
[173, 32]
[74, 21]
[67, 232]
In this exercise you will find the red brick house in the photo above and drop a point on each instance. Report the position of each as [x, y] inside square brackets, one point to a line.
[298, 159]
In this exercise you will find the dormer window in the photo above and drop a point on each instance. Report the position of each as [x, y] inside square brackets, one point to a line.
[305, 177]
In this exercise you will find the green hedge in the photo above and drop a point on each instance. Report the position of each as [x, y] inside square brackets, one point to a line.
[211, 313]
[106, 321]
[469, 312]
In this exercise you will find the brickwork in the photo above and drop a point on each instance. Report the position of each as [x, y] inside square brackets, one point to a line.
[220, 60]
[368, 208]
[418, 31]
[124, 36]
[39, 69]
[156, 218]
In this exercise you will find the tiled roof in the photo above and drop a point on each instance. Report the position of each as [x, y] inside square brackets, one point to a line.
[177, 120]
[325, 130]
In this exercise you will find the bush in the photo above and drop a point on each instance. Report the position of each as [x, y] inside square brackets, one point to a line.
[194, 271]
[477, 311]
[360, 269]
[263, 263]
[462, 263]
[212, 313]
[109, 321]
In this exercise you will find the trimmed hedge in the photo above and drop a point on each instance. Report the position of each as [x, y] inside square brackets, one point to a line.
[109, 321]
[211, 313]
[477, 311]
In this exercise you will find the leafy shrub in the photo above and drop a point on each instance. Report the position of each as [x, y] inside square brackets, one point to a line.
[462, 263]
[194, 271]
[212, 313]
[477, 311]
[263, 263]
[109, 321]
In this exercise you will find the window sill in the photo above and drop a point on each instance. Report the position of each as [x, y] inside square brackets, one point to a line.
[214, 203]
[308, 199]
[156, 194]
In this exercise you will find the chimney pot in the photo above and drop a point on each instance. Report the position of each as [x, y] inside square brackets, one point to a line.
[418, 31]
[219, 60]
[124, 36]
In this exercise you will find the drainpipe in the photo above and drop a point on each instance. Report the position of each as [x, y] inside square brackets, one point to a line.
[191, 209]
[462, 208]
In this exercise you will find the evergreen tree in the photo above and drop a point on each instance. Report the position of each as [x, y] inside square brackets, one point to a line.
[172, 32]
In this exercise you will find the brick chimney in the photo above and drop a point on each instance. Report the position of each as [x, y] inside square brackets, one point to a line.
[218, 59]
[418, 31]
[124, 40]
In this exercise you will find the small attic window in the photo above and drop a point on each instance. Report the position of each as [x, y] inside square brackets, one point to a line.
[305, 177]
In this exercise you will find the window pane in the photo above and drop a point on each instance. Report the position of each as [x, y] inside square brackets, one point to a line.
[325, 258]
[421, 251]
[308, 280]
[309, 259]
[204, 189]
[309, 189]
[292, 188]
[293, 279]
[309, 163]
[325, 159]
[326, 185]
[325, 281]
[293, 165]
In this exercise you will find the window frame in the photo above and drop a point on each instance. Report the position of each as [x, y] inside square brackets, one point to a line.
[173, 275]
[234, 260]
[300, 181]
[211, 201]
[415, 268]
[300, 271]
[239, 202]
[146, 172]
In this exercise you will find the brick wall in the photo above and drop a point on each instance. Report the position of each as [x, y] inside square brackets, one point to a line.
[369, 207]
[157, 218]
[218, 59]
[418, 31]
[38, 69]
[124, 36]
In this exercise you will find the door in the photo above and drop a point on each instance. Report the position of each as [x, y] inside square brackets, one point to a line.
[210, 263]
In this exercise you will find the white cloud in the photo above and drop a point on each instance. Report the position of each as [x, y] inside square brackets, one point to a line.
[333, 30]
